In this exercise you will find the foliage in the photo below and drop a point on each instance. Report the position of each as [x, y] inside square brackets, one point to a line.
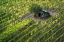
[34, 8]
[12, 29]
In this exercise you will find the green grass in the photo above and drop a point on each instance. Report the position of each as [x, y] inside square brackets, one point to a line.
[11, 12]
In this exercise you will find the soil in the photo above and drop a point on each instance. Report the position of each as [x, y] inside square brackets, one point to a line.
[36, 19]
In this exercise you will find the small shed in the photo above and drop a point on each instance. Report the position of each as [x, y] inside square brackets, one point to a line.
[43, 14]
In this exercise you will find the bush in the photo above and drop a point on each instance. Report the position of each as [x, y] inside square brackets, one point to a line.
[35, 8]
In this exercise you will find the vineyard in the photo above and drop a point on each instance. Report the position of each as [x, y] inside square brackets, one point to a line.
[17, 24]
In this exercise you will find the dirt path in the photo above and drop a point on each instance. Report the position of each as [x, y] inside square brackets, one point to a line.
[29, 15]
[53, 12]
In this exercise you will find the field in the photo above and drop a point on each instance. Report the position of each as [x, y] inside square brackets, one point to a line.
[17, 24]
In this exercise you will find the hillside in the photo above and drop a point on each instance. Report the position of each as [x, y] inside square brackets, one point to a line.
[17, 24]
